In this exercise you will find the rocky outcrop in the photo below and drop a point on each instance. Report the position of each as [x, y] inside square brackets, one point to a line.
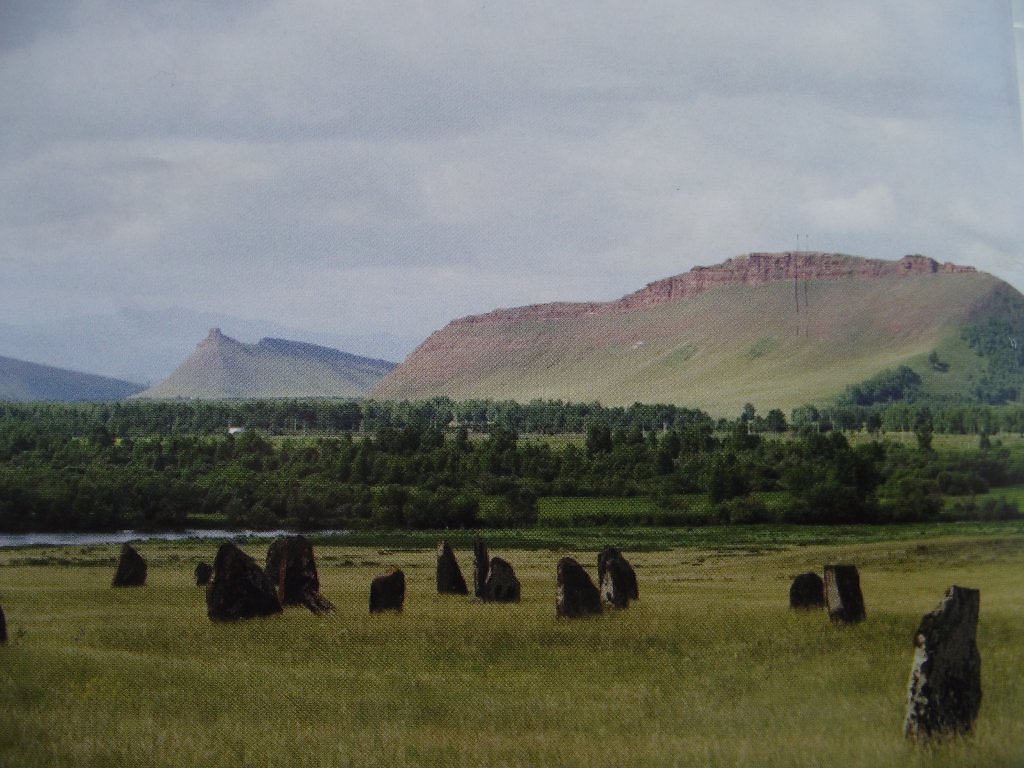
[292, 567]
[576, 596]
[757, 268]
[204, 572]
[240, 589]
[616, 578]
[944, 693]
[807, 591]
[748, 269]
[481, 562]
[387, 592]
[131, 568]
[501, 585]
[449, 576]
[842, 594]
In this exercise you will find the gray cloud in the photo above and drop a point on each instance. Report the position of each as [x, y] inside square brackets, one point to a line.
[354, 167]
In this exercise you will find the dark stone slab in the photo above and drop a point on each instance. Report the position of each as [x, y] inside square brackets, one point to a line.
[204, 572]
[3, 627]
[131, 568]
[481, 564]
[842, 594]
[616, 578]
[577, 596]
[387, 593]
[944, 693]
[501, 585]
[807, 591]
[292, 567]
[240, 589]
[449, 575]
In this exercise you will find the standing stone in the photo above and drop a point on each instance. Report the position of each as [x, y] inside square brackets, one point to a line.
[131, 568]
[807, 591]
[387, 593]
[449, 576]
[481, 564]
[842, 594]
[204, 572]
[945, 679]
[3, 627]
[292, 567]
[577, 595]
[501, 585]
[616, 578]
[240, 589]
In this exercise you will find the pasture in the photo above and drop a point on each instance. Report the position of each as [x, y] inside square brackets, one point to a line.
[709, 668]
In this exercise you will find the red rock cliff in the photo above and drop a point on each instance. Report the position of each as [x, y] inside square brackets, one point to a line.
[750, 269]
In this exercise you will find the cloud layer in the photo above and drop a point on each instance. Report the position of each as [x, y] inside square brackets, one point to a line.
[358, 167]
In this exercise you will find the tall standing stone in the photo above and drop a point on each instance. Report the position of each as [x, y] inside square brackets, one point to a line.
[842, 594]
[501, 584]
[387, 592]
[292, 567]
[616, 578]
[449, 575]
[944, 693]
[807, 591]
[240, 589]
[131, 568]
[481, 564]
[3, 627]
[577, 596]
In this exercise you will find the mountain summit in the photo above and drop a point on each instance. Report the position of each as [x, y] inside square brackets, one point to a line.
[773, 329]
[222, 367]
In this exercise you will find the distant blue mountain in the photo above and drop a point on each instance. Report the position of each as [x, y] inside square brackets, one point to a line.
[21, 380]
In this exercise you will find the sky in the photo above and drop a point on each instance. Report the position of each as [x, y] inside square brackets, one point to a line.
[389, 166]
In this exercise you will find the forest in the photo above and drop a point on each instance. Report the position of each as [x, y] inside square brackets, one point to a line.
[438, 464]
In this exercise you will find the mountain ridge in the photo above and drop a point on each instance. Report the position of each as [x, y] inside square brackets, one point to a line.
[779, 330]
[223, 367]
[21, 380]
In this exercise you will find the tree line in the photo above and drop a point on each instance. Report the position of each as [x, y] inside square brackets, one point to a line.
[442, 465]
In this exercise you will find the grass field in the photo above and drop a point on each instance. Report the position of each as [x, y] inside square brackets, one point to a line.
[709, 668]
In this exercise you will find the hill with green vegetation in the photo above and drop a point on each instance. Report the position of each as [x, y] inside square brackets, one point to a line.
[222, 367]
[775, 330]
[24, 381]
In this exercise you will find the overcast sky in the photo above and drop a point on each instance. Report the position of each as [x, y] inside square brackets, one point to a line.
[378, 166]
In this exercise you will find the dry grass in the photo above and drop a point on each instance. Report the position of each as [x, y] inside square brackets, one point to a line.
[708, 668]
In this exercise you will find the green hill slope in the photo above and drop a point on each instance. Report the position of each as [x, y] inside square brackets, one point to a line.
[222, 367]
[21, 380]
[728, 345]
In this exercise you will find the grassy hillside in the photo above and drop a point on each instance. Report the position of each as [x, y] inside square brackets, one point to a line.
[20, 380]
[731, 345]
[710, 667]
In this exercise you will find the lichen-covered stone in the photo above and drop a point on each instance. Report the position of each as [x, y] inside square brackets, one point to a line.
[501, 584]
[240, 589]
[387, 592]
[944, 693]
[292, 567]
[481, 563]
[807, 591]
[577, 596]
[616, 578]
[131, 568]
[204, 572]
[842, 594]
[449, 576]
